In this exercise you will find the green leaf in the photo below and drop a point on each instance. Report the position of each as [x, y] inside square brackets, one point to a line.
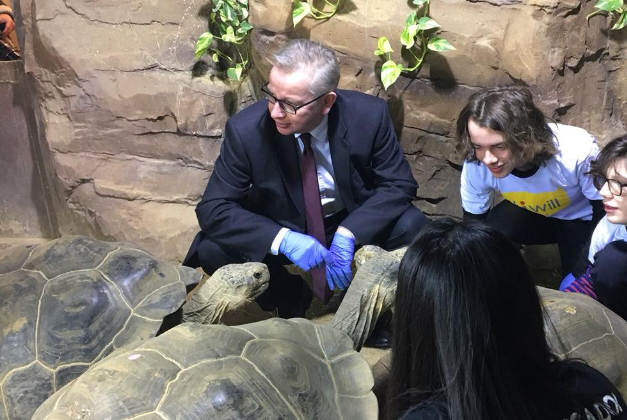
[300, 10]
[420, 2]
[234, 73]
[621, 22]
[228, 12]
[389, 73]
[214, 57]
[222, 27]
[383, 46]
[217, 5]
[439, 44]
[411, 19]
[244, 27]
[408, 35]
[244, 2]
[426, 23]
[609, 5]
[202, 44]
[229, 36]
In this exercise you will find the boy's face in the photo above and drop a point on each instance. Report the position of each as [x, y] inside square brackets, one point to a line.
[490, 149]
[616, 205]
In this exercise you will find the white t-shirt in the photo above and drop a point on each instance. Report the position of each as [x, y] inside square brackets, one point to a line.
[560, 188]
[604, 233]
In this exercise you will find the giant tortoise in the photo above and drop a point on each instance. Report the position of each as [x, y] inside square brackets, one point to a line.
[587, 329]
[229, 289]
[68, 303]
[371, 292]
[273, 369]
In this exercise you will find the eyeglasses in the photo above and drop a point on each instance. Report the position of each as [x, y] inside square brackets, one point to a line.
[615, 187]
[286, 106]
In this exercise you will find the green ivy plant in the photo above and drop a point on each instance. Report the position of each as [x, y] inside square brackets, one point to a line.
[227, 38]
[303, 8]
[613, 8]
[417, 38]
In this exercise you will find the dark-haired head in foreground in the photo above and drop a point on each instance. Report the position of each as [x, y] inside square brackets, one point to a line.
[469, 340]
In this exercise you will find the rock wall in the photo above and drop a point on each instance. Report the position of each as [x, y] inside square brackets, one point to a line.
[24, 196]
[133, 136]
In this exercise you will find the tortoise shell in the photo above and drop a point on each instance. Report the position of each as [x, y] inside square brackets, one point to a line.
[67, 303]
[273, 369]
[589, 331]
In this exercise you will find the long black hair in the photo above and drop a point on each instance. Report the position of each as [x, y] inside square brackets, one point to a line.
[468, 327]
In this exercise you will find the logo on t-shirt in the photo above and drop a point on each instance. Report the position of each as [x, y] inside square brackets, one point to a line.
[607, 409]
[544, 203]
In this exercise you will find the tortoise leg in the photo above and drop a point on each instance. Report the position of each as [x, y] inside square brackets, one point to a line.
[370, 294]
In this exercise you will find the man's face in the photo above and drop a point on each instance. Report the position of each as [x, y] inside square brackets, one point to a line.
[616, 205]
[293, 88]
[490, 149]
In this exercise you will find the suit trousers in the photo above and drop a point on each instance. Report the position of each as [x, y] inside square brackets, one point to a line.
[288, 293]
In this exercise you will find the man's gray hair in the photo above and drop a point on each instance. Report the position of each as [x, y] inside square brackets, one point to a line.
[312, 57]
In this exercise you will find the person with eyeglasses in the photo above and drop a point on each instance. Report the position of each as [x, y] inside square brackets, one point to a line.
[253, 208]
[601, 272]
[539, 168]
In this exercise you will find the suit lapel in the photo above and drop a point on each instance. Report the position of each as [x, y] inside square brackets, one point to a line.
[340, 156]
[286, 149]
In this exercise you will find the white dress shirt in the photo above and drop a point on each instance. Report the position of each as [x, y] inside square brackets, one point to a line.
[329, 195]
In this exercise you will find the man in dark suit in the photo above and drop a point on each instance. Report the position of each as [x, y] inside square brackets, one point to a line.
[254, 206]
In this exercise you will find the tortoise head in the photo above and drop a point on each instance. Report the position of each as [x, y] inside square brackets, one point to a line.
[246, 281]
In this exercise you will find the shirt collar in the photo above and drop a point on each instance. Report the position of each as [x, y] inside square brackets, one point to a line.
[320, 132]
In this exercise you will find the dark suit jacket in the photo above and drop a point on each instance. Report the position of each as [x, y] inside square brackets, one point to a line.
[256, 189]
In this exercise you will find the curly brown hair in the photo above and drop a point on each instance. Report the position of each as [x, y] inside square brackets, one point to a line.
[510, 110]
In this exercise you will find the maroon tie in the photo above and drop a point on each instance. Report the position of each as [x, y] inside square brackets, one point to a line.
[313, 211]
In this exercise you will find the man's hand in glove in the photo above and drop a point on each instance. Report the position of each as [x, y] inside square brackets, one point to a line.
[303, 250]
[340, 259]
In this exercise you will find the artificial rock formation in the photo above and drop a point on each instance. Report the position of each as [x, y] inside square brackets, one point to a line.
[133, 136]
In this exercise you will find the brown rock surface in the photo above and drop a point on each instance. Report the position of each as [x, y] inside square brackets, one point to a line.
[133, 136]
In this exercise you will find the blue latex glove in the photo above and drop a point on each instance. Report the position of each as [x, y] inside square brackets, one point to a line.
[339, 264]
[303, 250]
[567, 281]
